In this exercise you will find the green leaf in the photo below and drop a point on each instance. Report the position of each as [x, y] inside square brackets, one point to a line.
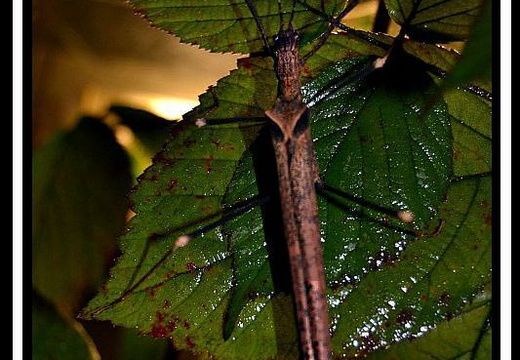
[130, 346]
[225, 279]
[80, 180]
[465, 336]
[226, 294]
[430, 282]
[54, 337]
[228, 25]
[435, 20]
[471, 128]
[475, 62]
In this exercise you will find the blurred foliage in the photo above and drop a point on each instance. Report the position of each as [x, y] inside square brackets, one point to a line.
[475, 62]
[81, 179]
[55, 337]
[80, 182]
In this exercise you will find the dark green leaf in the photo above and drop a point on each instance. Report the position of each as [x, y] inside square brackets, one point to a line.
[53, 337]
[475, 62]
[465, 336]
[80, 182]
[130, 346]
[435, 20]
[471, 128]
[228, 25]
[430, 281]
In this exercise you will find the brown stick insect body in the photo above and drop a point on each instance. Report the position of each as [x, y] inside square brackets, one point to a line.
[297, 176]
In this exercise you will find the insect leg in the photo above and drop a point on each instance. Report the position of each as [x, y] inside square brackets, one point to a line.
[333, 24]
[181, 241]
[260, 27]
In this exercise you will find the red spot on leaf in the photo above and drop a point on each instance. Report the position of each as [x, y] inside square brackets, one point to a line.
[208, 161]
[153, 236]
[191, 266]
[207, 209]
[444, 299]
[456, 154]
[166, 304]
[186, 324]
[404, 316]
[199, 197]
[245, 63]
[172, 184]
[367, 345]
[487, 219]
[364, 140]
[160, 331]
[188, 142]
[252, 295]
[380, 259]
[162, 158]
[306, 70]
[223, 147]
[172, 323]
[160, 316]
[179, 128]
[152, 289]
[347, 280]
[189, 343]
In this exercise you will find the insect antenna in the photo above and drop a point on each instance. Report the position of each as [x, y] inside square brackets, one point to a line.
[332, 25]
[292, 12]
[336, 22]
[260, 27]
[280, 15]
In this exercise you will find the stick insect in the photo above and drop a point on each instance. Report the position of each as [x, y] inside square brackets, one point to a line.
[298, 178]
